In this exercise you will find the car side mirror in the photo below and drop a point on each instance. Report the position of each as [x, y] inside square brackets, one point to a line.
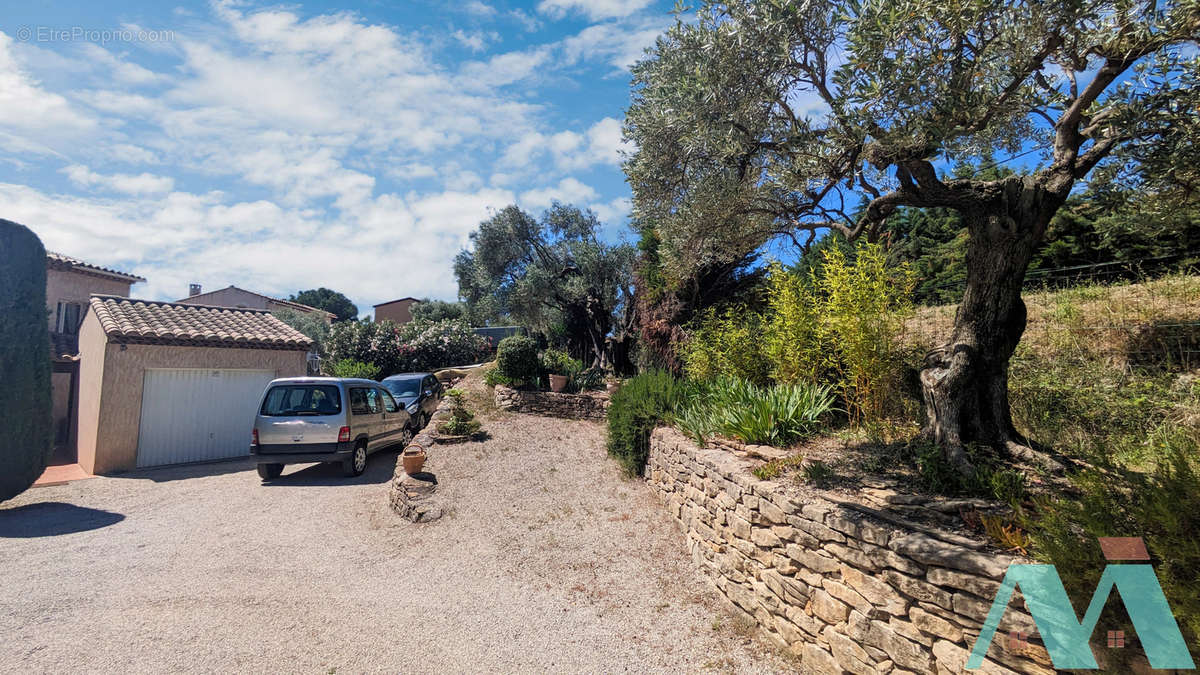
[429, 392]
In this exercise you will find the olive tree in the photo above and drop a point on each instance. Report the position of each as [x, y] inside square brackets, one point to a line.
[552, 275]
[758, 120]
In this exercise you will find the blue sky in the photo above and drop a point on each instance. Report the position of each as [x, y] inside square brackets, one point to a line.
[282, 147]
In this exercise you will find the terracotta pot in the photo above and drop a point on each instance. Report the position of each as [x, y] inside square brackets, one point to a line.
[558, 382]
[413, 459]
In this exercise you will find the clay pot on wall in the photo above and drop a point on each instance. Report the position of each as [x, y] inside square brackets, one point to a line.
[413, 459]
[558, 383]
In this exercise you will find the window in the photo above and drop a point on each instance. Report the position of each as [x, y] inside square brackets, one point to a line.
[403, 388]
[301, 399]
[389, 403]
[373, 402]
[68, 318]
[358, 402]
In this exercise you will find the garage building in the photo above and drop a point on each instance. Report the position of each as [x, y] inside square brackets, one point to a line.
[168, 383]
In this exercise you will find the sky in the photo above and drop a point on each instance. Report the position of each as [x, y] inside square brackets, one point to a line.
[285, 147]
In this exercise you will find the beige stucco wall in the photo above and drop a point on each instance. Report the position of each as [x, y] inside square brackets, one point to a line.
[110, 388]
[400, 312]
[65, 286]
[229, 297]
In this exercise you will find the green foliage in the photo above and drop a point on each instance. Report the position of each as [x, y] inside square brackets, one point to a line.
[24, 359]
[352, 368]
[862, 308]
[311, 325]
[842, 323]
[438, 310]
[558, 362]
[495, 377]
[776, 467]
[328, 300]
[726, 344]
[551, 275]
[1161, 506]
[989, 479]
[462, 421]
[776, 415]
[818, 472]
[640, 405]
[517, 359]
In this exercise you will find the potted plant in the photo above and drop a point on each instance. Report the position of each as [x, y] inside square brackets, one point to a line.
[561, 368]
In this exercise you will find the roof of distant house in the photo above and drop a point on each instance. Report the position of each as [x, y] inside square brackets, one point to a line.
[298, 306]
[131, 321]
[59, 261]
[391, 302]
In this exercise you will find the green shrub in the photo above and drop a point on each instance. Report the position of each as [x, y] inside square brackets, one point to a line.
[777, 415]
[414, 347]
[517, 359]
[462, 421]
[352, 368]
[792, 336]
[1161, 506]
[495, 377]
[641, 404]
[989, 480]
[24, 359]
[727, 344]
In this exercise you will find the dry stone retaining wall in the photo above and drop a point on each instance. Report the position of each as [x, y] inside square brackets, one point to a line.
[589, 406]
[846, 587]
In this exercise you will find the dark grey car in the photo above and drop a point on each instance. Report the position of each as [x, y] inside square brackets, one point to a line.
[418, 393]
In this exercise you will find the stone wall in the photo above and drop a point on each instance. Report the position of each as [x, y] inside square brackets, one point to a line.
[845, 586]
[588, 406]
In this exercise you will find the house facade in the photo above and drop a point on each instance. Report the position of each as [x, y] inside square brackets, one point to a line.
[399, 311]
[241, 298]
[70, 283]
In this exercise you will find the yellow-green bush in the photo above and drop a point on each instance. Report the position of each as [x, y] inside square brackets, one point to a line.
[728, 344]
[792, 339]
[863, 305]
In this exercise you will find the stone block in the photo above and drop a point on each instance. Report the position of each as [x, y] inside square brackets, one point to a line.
[765, 538]
[827, 608]
[849, 655]
[818, 530]
[812, 560]
[819, 662]
[875, 591]
[772, 513]
[961, 581]
[930, 551]
[935, 625]
[919, 589]
[846, 594]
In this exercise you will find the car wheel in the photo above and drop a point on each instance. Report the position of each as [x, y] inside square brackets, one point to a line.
[357, 463]
[269, 471]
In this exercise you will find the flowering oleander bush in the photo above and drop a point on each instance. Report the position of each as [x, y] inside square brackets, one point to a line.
[419, 345]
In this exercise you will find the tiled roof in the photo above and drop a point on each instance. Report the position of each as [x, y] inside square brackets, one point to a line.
[63, 346]
[60, 261]
[127, 320]
[299, 306]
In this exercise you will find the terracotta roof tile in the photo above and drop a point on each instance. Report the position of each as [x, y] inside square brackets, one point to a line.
[127, 320]
[60, 261]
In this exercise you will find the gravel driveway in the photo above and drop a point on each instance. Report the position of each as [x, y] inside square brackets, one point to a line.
[550, 562]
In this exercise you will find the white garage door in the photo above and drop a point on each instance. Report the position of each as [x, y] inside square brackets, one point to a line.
[191, 415]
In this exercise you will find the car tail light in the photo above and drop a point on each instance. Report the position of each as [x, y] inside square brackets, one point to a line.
[344, 435]
[254, 437]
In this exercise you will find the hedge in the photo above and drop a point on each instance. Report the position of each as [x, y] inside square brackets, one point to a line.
[27, 441]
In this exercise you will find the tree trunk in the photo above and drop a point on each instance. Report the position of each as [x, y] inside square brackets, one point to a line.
[965, 381]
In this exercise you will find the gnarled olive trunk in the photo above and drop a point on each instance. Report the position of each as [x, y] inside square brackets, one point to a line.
[965, 381]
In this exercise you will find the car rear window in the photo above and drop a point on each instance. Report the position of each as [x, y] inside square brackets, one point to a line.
[302, 399]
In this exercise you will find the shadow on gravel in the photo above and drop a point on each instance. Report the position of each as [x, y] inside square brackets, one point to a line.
[185, 471]
[380, 467]
[50, 519]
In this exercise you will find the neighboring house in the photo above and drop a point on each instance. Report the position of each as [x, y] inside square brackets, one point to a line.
[167, 383]
[243, 299]
[399, 311]
[70, 283]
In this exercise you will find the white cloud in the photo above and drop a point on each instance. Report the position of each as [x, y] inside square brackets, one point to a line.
[140, 184]
[479, 8]
[600, 144]
[568, 191]
[592, 9]
[476, 41]
[620, 44]
[26, 107]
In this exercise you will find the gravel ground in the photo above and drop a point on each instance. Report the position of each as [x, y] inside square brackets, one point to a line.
[549, 562]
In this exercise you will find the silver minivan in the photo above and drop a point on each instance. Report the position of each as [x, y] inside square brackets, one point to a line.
[325, 419]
